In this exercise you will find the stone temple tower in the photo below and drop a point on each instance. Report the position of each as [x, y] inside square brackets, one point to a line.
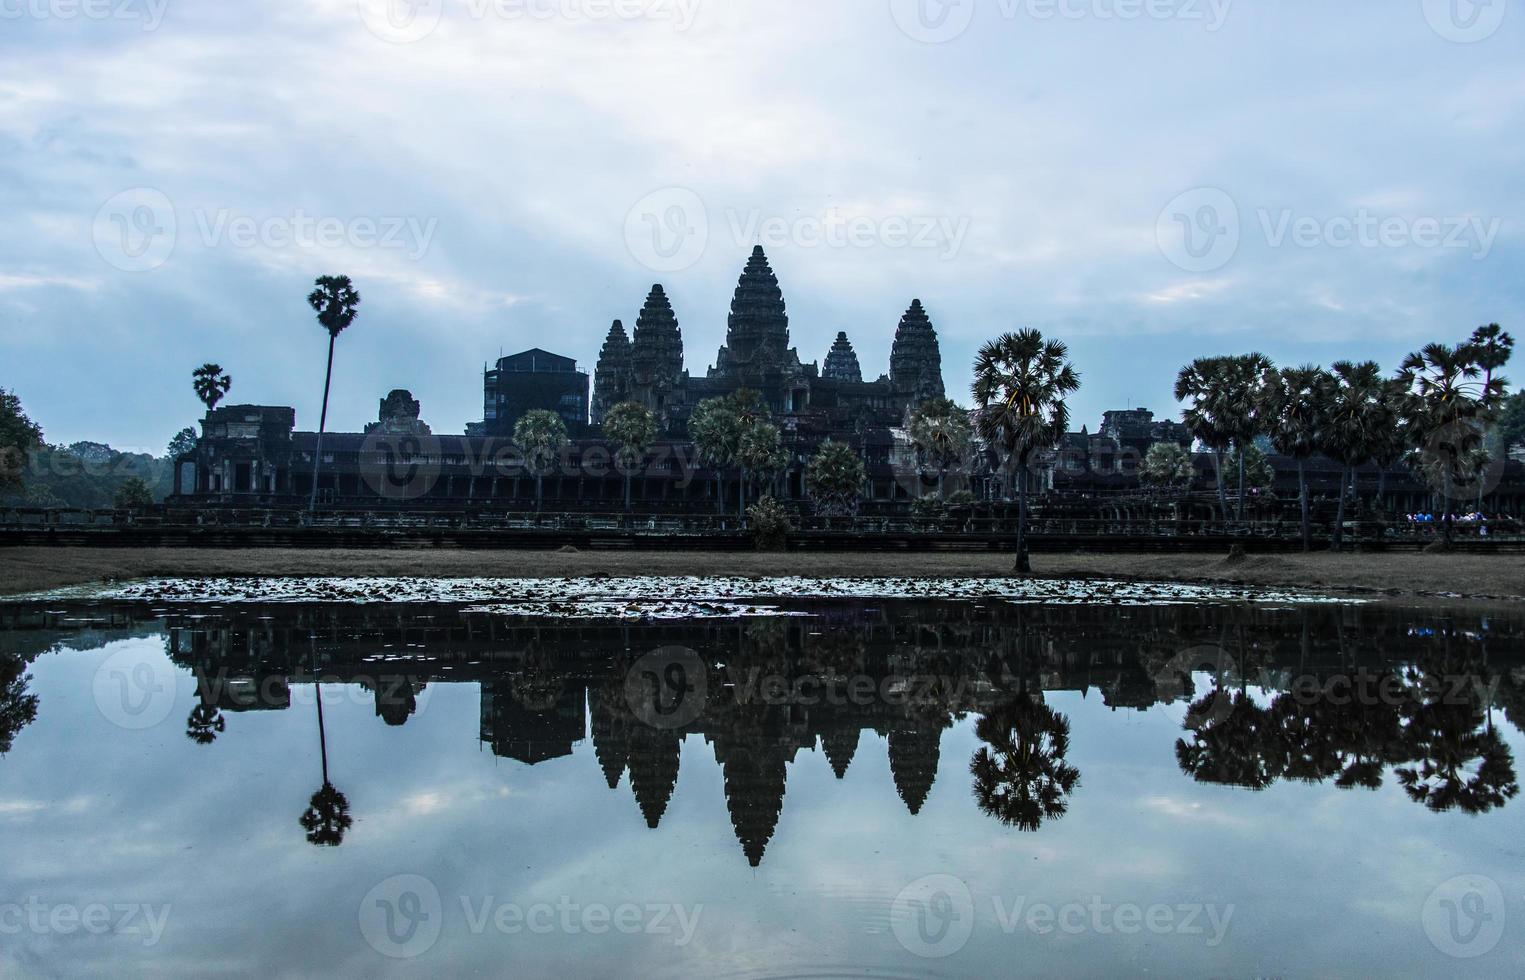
[842, 361]
[611, 379]
[757, 332]
[656, 353]
[916, 362]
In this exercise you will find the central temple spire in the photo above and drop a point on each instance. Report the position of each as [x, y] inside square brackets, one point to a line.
[758, 328]
[916, 362]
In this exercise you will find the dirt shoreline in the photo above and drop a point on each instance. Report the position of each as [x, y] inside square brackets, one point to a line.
[1405, 578]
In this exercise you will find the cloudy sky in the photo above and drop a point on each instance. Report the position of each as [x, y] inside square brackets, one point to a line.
[1148, 180]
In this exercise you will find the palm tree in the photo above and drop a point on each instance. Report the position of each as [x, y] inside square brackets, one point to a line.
[750, 446]
[211, 384]
[1358, 412]
[1020, 774]
[1020, 383]
[631, 426]
[941, 433]
[1448, 397]
[1209, 416]
[715, 430]
[1390, 443]
[336, 303]
[541, 436]
[1296, 404]
[1491, 347]
[1245, 379]
[760, 454]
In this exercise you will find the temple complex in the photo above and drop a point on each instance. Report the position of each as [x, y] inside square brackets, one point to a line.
[824, 402]
[253, 457]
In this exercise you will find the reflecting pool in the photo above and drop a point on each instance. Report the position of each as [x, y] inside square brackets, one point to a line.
[814, 786]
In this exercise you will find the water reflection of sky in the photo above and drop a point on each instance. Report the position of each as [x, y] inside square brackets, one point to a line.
[1320, 880]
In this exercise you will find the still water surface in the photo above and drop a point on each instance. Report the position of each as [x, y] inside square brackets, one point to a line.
[887, 788]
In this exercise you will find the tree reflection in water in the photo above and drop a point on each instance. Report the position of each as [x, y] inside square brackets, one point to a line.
[18, 707]
[1429, 723]
[1354, 698]
[327, 815]
[1021, 777]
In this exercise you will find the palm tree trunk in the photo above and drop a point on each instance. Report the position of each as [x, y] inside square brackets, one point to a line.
[317, 455]
[1339, 511]
[1023, 565]
[1302, 495]
[1222, 495]
[741, 507]
[1241, 483]
[539, 488]
[317, 688]
[627, 489]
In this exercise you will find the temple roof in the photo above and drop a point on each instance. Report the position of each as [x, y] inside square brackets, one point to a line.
[842, 361]
[916, 362]
[656, 354]
[758, 327]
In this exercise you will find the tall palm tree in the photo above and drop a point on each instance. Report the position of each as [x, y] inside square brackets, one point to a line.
[1491, 347]
[1295, 404]
[336, 303]
[1244, 379]
[1448, 398]
[1020, 383]
[752, 447]
[211, 384]
[541, 436]
[941, 432]
[715, 430]
[631, 426]
[1390, 442]
[1357, 413]
[1209, 416]
[760, 454]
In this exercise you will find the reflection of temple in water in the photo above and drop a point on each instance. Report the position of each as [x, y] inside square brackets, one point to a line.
[904, 672]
